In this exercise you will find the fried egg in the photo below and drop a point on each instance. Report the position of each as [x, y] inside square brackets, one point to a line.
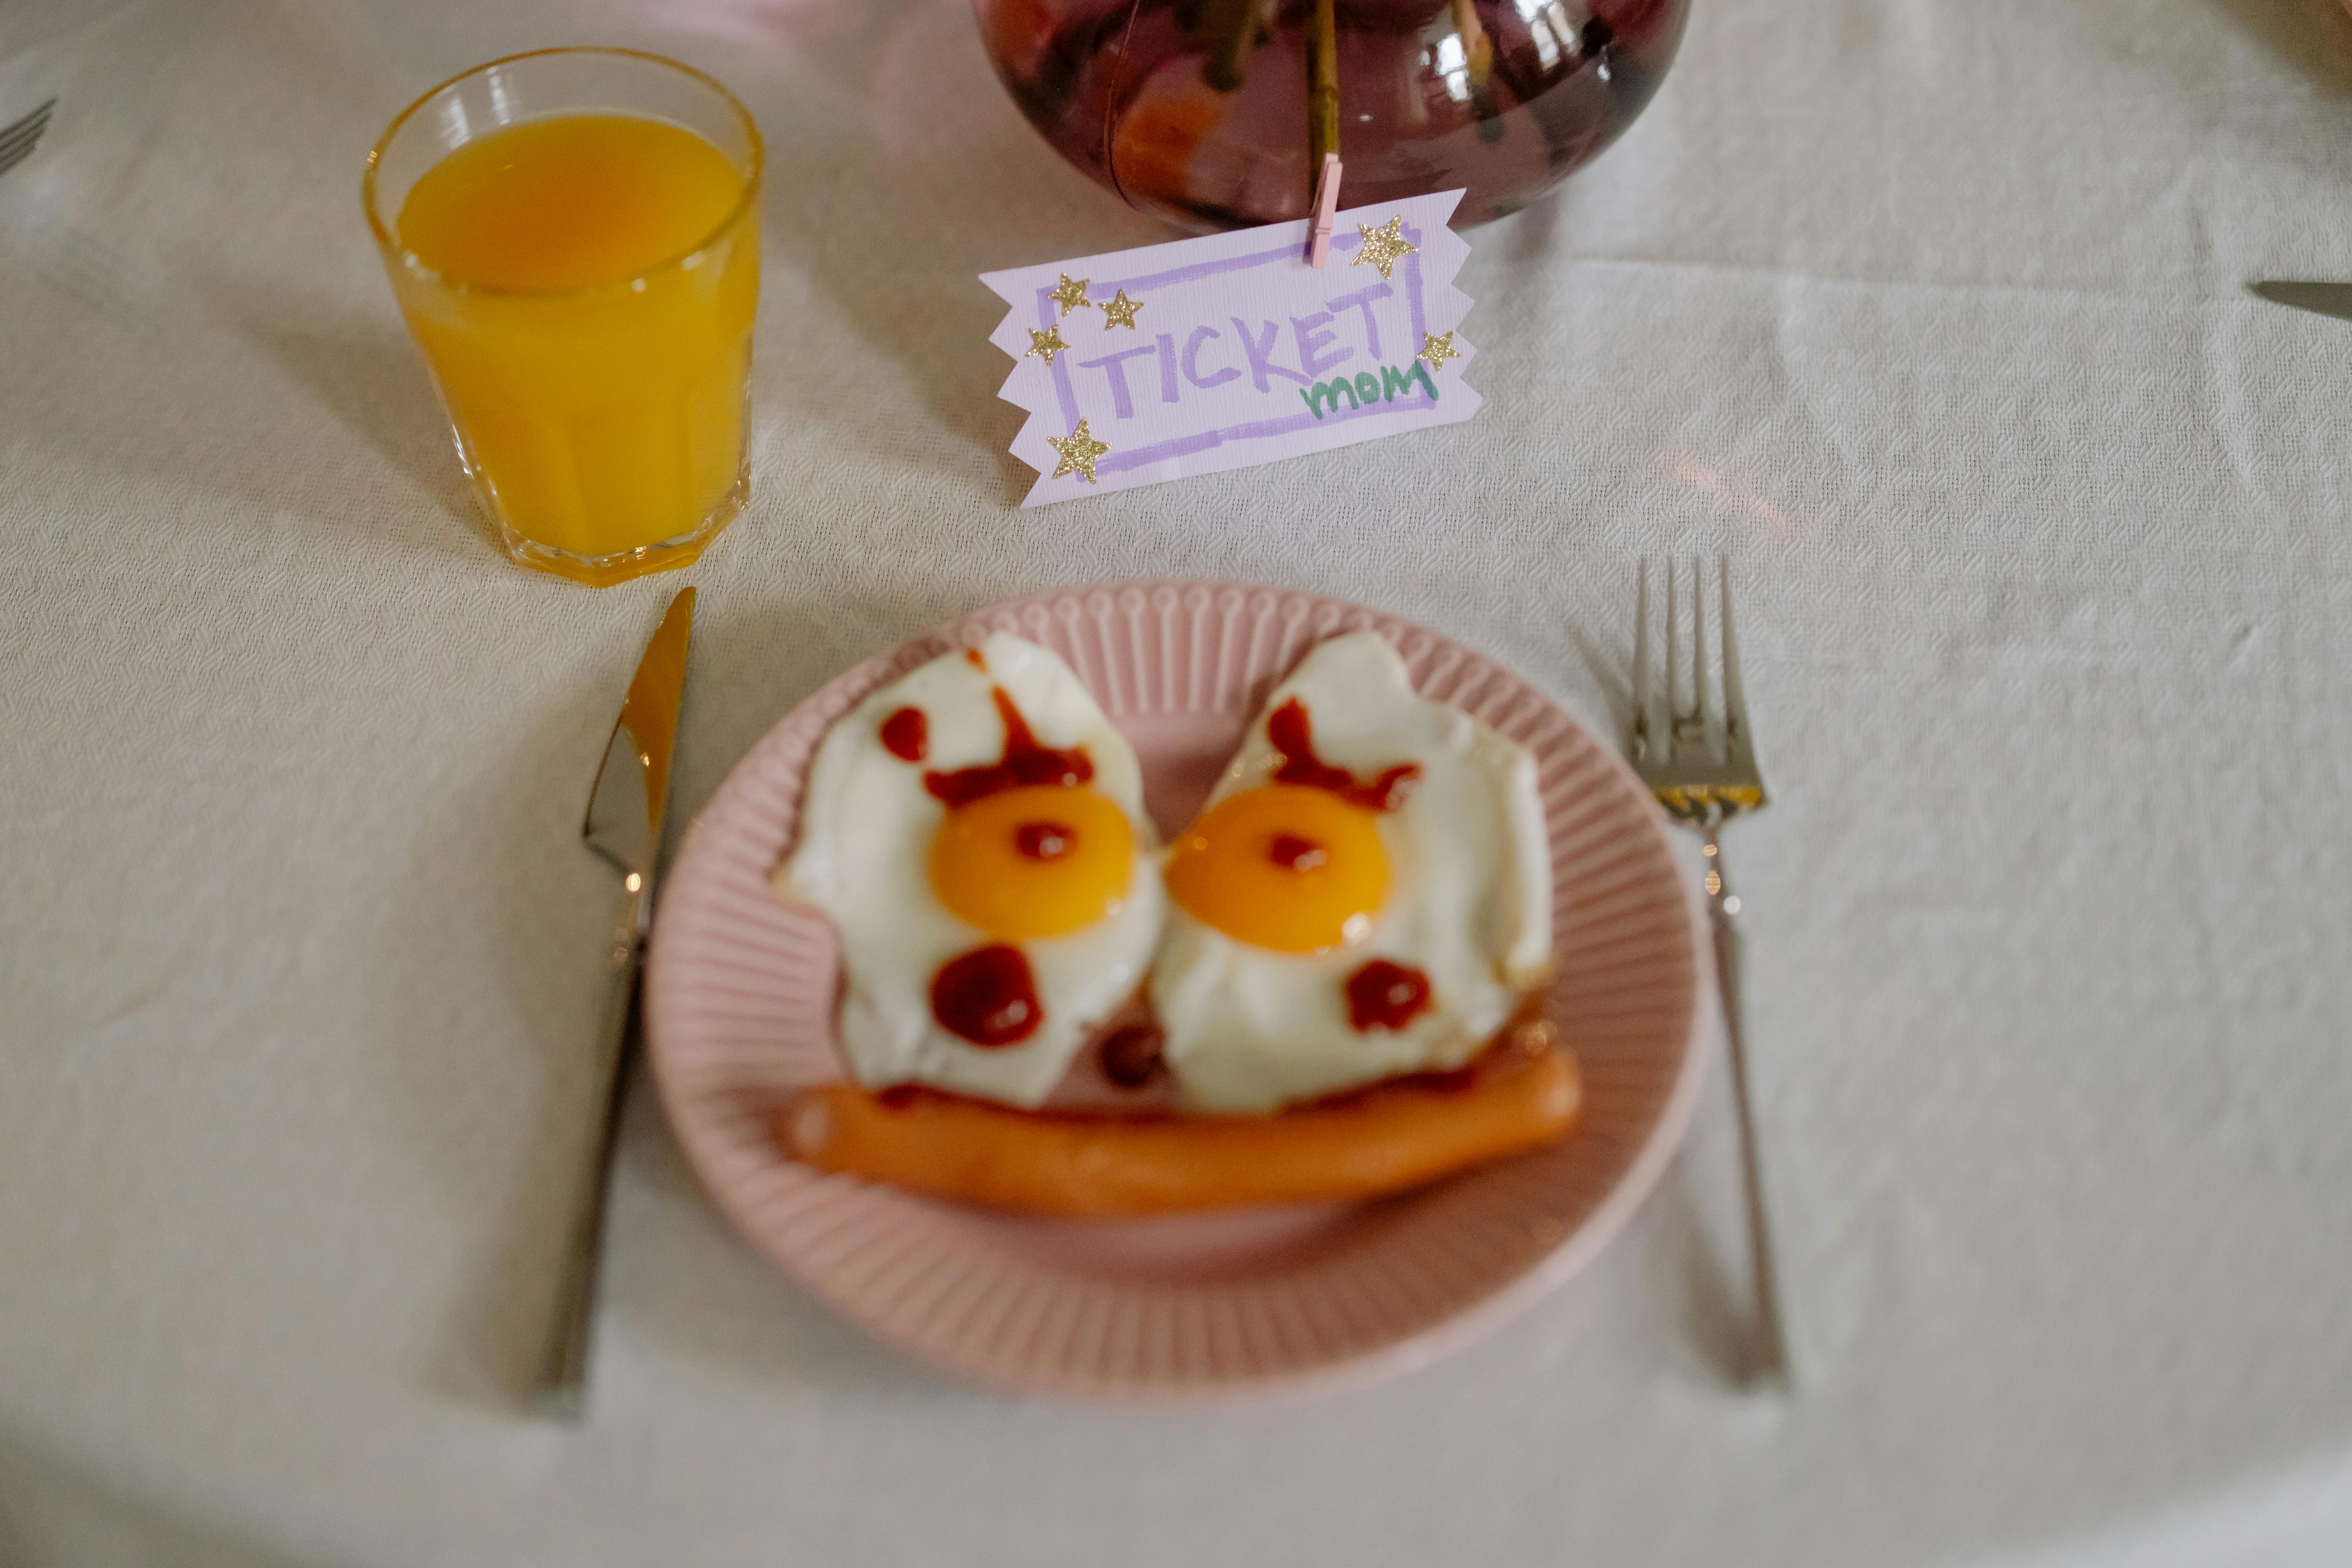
[975, 830]
[1367, 892]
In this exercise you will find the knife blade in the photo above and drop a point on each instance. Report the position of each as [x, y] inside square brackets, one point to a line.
[2325, 298]
[623, 824]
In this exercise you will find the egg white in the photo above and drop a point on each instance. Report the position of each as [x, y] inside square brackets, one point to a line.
[1469, 904]
[866, 825]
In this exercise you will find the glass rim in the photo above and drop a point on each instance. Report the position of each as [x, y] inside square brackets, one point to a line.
[389, 243]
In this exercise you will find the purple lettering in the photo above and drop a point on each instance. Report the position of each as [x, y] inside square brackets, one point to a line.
[1362, 299]
[1312, 338]
[1122, 403]
[1259, 350]
[1167, 367]
[1193, 360]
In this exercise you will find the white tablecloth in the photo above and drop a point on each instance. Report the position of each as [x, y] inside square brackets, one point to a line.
[1930, 312]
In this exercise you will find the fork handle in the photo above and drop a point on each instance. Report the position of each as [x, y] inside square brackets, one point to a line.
[1771, 1344]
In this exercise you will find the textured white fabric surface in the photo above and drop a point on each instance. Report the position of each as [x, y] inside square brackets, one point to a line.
[1929, 311]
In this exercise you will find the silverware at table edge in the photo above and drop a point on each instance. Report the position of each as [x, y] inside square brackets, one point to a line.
[625, 826]
[1701, 767]
[19, 139]
[2324, 298]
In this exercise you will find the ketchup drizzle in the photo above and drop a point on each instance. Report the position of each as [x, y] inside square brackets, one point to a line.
[1292, 735]
[1384, 996]
[1045, 840]
[1293, 853]
[988, 996]
[907, 735]
[1025, 762]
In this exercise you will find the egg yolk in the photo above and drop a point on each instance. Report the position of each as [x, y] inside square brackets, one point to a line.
[1037, 860]
[1284, 867]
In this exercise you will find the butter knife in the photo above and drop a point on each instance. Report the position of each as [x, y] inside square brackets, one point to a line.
[624, 827]
[2326, 298]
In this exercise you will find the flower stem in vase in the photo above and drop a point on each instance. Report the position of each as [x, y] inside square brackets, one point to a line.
[1322, 92]
[1234, 28]
[1478, 56]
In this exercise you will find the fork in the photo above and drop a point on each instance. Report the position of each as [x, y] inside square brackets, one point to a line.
[1702, 769]
[18, 141]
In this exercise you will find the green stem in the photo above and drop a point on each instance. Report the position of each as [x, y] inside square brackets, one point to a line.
[1478, 54]
[1233, 29]
[1322, 92]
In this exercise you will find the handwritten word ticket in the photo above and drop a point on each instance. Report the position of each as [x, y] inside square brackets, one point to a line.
[1150, 364]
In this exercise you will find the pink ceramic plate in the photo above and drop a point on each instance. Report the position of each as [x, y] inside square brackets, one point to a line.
[740, 1010]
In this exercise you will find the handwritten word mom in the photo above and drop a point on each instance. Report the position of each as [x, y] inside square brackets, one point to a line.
[1364, 387]
[1208, 358]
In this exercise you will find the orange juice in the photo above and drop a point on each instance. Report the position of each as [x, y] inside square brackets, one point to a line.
[584, 286]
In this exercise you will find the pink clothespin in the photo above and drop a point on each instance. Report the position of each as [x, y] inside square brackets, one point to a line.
[1327, 203]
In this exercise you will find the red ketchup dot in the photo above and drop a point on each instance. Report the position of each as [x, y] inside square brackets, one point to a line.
[1044, 840]
[1293, 853]
[988, 996]
[1131, 1058]
[1384, 996]
[907, 735]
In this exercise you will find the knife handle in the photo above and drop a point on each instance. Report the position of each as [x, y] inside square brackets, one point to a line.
[563, 1375]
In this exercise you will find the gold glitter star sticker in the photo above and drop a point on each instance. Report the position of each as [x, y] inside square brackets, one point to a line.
[1071, 294]
[1080, 452]
[1383, 246]
[1437, 348]
[1048, 342]
[1119, 312]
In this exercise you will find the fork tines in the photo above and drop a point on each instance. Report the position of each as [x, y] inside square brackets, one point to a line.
[18, 140]
[1692, 751]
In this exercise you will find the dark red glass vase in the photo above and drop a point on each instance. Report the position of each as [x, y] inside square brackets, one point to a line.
[1188, 116]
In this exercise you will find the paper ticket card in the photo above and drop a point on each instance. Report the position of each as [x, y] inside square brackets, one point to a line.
[1149, 364]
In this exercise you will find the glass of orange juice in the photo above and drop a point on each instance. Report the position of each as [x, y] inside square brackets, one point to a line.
[573, 236]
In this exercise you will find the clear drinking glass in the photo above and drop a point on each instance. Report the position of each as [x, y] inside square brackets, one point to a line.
[599, 413]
